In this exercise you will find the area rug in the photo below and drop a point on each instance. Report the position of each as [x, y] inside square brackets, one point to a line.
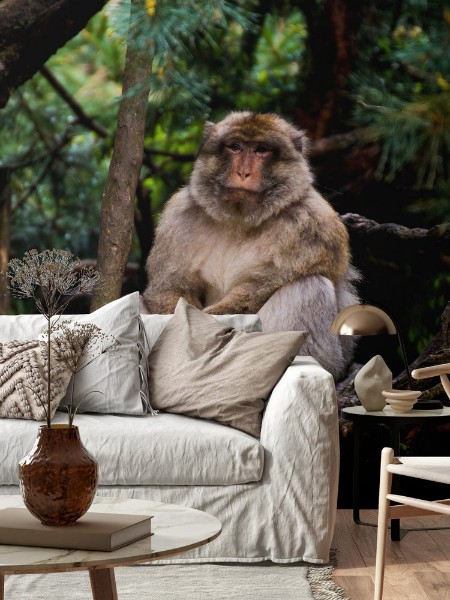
[265, 581]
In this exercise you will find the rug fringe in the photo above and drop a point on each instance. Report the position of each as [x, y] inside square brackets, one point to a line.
[321, 582]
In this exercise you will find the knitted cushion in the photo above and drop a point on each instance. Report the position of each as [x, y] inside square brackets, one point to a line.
[23, 380]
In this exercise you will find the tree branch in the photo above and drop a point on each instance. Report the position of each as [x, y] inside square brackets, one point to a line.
[83, 118]
[175, 155]
[336, 143]
[362, 225]
[31, 31]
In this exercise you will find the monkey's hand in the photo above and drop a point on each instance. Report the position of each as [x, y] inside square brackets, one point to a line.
[246, 298]
[221, 308]
[164, 302]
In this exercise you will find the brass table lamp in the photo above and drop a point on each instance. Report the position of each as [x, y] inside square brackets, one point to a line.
[369, 319]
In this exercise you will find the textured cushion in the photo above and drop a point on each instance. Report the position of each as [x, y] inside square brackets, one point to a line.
[23, 381]
[161, 450]
[120, 375]
[201, 368]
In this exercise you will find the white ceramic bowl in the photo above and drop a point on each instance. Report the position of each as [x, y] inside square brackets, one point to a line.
[401, 401]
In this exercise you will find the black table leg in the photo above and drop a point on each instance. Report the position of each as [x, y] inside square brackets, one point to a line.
[356, 467]
[396, 533]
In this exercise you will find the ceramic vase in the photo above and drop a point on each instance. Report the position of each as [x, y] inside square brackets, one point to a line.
[58, 477]
[370, 381]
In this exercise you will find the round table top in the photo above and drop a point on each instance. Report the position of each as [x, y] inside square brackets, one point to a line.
[176, 529]
[358, 412]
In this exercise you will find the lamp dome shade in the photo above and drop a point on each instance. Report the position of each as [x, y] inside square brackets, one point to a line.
[363, 319]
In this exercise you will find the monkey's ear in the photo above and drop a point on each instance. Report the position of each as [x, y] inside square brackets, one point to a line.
[207, 130]
[300, 141]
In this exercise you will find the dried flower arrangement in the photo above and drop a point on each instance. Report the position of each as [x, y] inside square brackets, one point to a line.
[76, 345]
[51, 279]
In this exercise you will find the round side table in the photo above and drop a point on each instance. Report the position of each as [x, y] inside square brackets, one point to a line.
[364, 420]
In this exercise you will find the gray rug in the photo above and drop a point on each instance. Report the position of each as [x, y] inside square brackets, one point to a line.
[179, 582]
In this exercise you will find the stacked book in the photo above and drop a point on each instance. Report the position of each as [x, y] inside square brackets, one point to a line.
[93, 531]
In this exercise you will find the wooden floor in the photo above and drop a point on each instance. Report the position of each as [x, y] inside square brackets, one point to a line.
[417, 567]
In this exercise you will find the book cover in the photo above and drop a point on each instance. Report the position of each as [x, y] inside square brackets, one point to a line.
[93, 531]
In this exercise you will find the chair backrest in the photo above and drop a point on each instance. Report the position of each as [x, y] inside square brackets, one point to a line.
[436, 370]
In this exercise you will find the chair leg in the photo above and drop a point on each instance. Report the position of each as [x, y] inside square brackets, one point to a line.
[387, 456]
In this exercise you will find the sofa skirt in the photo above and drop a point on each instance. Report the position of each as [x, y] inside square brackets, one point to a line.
[253, 530]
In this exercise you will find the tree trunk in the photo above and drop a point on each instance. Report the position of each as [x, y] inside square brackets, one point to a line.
[145, 229]
[117, 215]
[332, 27]
[5, 219]
[31, 31]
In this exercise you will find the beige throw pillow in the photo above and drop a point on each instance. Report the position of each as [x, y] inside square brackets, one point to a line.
[23, 380]
[201, 368]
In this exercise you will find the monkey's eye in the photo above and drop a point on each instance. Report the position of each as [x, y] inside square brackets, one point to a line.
[234, 147]
[262, 149]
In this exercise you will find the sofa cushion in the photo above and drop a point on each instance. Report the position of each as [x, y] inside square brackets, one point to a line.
[201, 368]
[164, 449]
[120, 375]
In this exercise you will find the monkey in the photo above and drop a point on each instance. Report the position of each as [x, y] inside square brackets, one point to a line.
[250, 234]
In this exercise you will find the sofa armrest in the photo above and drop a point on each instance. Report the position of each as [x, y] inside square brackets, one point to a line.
[300, 436]
[303, 399]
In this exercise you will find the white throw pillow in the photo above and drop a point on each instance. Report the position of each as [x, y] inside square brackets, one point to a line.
[120, 375]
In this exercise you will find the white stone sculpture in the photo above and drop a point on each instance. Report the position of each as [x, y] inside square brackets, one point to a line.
[374, 377]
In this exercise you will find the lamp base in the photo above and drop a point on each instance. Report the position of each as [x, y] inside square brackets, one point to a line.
[433, 404]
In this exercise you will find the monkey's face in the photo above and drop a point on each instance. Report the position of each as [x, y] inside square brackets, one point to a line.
[249, 167]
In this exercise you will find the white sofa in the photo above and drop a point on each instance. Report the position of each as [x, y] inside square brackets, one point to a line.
[275, 496]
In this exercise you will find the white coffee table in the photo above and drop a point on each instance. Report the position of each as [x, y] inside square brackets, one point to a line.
[176, 529]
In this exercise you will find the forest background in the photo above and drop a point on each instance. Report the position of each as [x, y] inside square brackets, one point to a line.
[370, 83]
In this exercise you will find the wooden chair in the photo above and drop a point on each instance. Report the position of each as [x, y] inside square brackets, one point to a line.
[428, 468]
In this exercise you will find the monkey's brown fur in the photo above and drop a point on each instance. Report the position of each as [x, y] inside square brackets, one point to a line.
[248, 223]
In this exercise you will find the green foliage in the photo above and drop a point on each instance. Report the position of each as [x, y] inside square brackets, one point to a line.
[406, 103]
[412, 133]
[274, 79]
[171, 31]
[59, 166]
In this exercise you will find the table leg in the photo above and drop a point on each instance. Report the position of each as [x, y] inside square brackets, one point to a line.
[2, 587]
[103, 584]
[356, 467]
[395, 523]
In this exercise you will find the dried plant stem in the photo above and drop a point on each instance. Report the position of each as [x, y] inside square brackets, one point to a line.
[48, 373]
[70, 407]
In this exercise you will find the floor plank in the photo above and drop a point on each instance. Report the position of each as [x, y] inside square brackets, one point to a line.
[357, 588]
[436, 585]
[417, 567]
